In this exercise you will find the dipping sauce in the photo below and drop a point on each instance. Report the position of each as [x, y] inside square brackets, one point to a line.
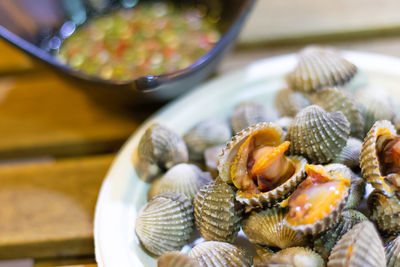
[150, 39]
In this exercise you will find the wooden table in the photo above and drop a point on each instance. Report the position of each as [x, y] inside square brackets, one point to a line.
[57, 142]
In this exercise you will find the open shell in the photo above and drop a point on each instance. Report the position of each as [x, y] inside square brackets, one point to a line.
[249, 113]
[205, 134]
[337, 99]
[361, 246]
[267, 228]
[329, 217]
[392, 252]
[319, 67]
[182, 178]
[295, 257]
[385, 212]
[216, 254]
[325, 241]
[369, 161]
[350, 154]
[217, 214]
[176, 259]
[165, 223]
[272, 135]
[317, 134]
[159, 149]
[289, 102]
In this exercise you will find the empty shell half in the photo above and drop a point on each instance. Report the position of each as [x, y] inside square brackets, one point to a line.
[317, 202]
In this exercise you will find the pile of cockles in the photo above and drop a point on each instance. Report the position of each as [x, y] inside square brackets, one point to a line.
[293, 177]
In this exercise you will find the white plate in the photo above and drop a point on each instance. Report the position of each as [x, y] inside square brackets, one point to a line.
[123, 193]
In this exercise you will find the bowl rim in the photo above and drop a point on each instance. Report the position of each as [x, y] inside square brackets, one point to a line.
[146, 83]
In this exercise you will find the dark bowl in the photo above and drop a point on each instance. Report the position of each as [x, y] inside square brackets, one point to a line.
[32, 26]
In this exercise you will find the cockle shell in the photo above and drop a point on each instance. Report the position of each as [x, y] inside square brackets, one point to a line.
[337, 99]
[392, 252]
[350, 154]
[205, 134]
[330, 218]
[159, 149]
[385, 212]
[218, 254]
[216, 212]
[249, 113]
[295, 257]
[165, 223]
[211, 155]
[182, 178]
[317, 134]
[267, 228]
[176, 259]
[325, 241]
[274, 135]
[369, 161]
[356, 193]
[376, 104]
[361, 246]
[289, 103]
[319, 67]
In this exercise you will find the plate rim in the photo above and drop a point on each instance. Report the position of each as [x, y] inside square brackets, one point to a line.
[366, 60]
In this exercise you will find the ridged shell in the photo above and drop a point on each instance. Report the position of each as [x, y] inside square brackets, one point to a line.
[159, 149]
[295, 257]
[319, 67]
[267, 228]
[337, 99]
[262, 254]
[333, 216]
[317, 134]
[165, 223]
[376, 104]
[217, 215]
[205, 134]
[249, 113]
[369, 161]
[182, 178]
[289, 103]
[219, 254]
[359, 247]
[176, 259]
[357, 192]
[325, 241]
[392, 252]
[350, 154]
[211, 155]
[385, 212]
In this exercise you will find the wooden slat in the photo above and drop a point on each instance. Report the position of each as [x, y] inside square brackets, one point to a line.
[43, 114]
[47, 208]
[12, 60]
[291, 21]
